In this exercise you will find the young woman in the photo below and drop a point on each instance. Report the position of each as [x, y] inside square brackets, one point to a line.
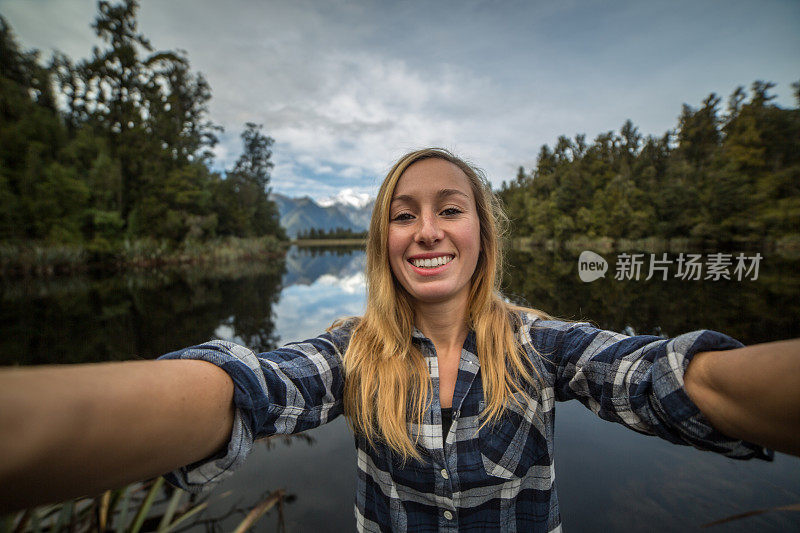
[449, 389]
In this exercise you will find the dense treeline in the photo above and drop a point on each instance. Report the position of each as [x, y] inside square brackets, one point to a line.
[720, 176]
[332, 233]
[116, 148]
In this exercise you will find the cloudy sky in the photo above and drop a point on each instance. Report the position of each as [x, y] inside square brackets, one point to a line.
[346, 87]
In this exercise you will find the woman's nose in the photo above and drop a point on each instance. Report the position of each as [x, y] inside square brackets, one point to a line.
[429, 232]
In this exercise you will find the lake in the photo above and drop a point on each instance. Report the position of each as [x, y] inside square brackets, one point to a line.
[609, 478]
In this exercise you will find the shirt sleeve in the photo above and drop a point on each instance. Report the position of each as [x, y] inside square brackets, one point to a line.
[286, 391]
[636, 381]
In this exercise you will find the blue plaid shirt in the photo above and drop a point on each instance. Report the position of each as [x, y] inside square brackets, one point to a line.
[499, 477]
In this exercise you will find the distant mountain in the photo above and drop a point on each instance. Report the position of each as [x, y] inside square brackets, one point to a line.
[349, 211]
[348, 197]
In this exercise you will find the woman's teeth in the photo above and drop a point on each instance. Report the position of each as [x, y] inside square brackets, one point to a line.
[431, 263]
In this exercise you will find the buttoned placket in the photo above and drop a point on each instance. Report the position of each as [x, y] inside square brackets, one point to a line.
[445, 457]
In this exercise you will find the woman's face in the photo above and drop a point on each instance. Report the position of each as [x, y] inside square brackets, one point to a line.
[434, 232]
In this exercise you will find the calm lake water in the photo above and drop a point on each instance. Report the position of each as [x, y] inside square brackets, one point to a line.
[609, 478]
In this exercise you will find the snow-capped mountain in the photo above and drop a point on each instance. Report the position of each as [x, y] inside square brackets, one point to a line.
[349, 197]
[347, 210]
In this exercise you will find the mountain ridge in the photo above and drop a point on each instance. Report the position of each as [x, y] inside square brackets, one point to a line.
[301, 214]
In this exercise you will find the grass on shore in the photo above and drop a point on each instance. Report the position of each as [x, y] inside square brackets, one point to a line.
[43, 259]
[787, 246]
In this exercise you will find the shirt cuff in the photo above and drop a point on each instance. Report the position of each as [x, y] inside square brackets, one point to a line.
[675, 405]
[202, 476]
[242, 365]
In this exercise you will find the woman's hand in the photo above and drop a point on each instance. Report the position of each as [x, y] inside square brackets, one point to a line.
[75, 430]
[751, 393]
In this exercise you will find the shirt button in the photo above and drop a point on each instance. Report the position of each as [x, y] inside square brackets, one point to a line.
[448, 515]
[445, 475]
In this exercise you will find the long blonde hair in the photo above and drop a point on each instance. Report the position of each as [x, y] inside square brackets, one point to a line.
[387, 384]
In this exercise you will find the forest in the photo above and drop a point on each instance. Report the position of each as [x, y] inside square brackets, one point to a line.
[113, 151]
[723, 177]
[331, 234]
[111, 155]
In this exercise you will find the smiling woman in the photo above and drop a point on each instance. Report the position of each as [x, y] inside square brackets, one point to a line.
[434, 233]
[431, 204]
[450, 391]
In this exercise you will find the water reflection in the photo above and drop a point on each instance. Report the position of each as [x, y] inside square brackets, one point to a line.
[83, 319]
[262, 305]
[751, 311]
[646, 482]
[306, 265]
[143, 315]
[320, 286]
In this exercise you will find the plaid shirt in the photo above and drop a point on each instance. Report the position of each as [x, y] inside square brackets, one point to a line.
[500, 477]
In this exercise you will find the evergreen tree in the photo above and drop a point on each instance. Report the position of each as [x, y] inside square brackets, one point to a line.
[30, 138]
[129, 153]
[244, 199]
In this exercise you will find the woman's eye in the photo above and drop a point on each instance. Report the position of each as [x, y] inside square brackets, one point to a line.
[451, 211]
[402, 217]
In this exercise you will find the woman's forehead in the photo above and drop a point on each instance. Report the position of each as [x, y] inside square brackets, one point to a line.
[432, 177]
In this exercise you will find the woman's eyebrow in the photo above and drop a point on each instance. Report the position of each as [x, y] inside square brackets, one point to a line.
[443, 193]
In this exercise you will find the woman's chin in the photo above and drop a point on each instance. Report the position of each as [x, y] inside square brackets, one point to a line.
[438, 295]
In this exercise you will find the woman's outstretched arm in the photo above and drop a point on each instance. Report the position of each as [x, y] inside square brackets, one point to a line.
[74, 430]
[751, 393]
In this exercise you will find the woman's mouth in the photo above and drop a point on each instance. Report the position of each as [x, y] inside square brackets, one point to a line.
[431, 262]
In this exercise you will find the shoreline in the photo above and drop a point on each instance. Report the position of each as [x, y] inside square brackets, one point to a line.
[329, 242]
[36, 259]
[788, 246]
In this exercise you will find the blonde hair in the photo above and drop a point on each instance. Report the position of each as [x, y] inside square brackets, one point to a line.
[387, 384]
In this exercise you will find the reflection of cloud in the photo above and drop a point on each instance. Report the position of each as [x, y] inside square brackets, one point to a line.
[355, 283]
[227, 332]
[304, 311]
[224, 331]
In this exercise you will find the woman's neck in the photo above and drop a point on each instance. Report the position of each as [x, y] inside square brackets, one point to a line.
[443, 323]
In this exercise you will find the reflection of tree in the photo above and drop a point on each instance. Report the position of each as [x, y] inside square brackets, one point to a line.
[137, 316]
[752, 311]
[80, 319]
[251, 309]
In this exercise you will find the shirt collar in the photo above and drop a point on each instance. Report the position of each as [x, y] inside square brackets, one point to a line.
[469, 351]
